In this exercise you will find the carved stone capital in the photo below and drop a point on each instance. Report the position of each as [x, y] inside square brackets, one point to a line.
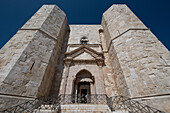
[100, 62]
[67, 61]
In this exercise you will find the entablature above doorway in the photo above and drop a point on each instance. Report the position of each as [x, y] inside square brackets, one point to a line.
[84, 54]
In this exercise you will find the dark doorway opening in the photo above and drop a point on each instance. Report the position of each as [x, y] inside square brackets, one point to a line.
[83, 96]
[83, 92]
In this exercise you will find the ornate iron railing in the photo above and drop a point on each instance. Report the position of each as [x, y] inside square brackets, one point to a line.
[53, 104]
[83, 99]
[132, 106]
[26, 107]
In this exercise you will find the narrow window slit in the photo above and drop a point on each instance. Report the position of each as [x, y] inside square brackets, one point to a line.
[32, 65]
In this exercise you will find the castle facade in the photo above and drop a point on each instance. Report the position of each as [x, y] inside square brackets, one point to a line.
[49, 57]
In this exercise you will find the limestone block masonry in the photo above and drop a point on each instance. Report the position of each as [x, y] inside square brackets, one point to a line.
[140, 62]
[28, 60]
[119, 57]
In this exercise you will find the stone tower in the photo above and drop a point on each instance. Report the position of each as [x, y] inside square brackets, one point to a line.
[48, 57]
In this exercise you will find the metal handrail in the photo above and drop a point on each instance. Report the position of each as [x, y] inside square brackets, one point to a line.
[53, 104]
[26, 107]
[83, 99]
[132, 106]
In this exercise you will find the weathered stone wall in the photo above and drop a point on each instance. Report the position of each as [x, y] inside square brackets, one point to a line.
[29, 59]
[158, 102]
[11, 52]
[26, 75]
[109, 77]
[140, 62]
[118, 19]
[122, 88]
[55, 88]
[49, 19]
[89, 31]
[144, 61]
[10, 101]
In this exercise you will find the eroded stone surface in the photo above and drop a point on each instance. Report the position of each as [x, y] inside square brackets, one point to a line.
[158, 102]
[29, 59]
[118, 19]
[89, 31]
[142, 60]
[139, 60]
[49, 18]
[10, 101]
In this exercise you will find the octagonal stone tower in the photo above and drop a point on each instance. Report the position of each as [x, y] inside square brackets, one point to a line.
[140, 62]
[48, 57]
[28, 60]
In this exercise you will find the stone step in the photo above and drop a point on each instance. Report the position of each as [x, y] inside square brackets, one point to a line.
[46, 111]
[82, 108]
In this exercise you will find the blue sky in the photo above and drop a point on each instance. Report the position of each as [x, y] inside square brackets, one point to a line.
[155, 14]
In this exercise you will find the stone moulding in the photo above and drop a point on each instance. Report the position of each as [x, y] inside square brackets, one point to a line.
[123, 34]
[50, 36]
[83, 48]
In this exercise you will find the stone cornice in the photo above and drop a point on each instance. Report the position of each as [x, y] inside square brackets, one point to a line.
[38, 29]
[98, 56]
[91, 45]
[83, 47]
[123, 34]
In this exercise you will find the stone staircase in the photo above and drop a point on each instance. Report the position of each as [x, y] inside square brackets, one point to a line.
[61, 104]
[82, 108]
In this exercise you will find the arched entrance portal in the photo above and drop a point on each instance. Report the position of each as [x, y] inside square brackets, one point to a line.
[83, 86]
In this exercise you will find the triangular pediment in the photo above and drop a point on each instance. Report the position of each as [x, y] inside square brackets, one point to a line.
[84, 52]
[84, 56]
